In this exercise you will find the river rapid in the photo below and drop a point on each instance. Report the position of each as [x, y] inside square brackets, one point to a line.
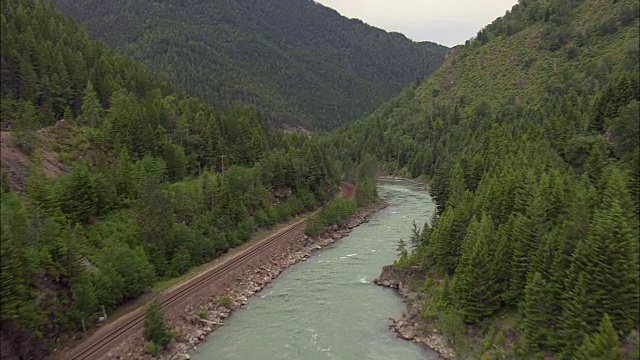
[328, 306]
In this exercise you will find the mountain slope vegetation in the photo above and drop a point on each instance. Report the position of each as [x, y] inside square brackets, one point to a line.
[529, 137]
[298, 62]
[148, 181]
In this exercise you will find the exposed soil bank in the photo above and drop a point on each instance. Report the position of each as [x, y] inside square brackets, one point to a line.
[408, 326]
[197, 321]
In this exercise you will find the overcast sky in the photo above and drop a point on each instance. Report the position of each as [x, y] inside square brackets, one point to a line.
[447, 22]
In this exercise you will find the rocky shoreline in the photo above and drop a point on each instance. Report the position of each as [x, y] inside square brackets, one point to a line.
[196, 322]
[408, 326]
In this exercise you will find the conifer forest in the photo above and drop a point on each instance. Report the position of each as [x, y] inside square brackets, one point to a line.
[137, 146]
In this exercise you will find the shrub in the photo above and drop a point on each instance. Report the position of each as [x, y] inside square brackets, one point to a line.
[334, 213]
[152, 349]
[225, 301]
[155, 328]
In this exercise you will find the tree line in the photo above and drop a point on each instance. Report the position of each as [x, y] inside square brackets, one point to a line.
[298, 62]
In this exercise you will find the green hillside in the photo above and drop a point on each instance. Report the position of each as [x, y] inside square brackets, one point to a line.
[298, 62]
[138, 184]
[529, 137]
[521, 56]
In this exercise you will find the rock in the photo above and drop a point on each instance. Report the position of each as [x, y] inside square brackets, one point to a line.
[407, 334]
[390, 277]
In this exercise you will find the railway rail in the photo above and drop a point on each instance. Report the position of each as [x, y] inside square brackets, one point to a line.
[100, 343]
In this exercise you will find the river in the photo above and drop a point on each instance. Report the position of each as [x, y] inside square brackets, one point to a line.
[328, 306]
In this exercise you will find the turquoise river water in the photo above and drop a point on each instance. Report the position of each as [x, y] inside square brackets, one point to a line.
[328, 306]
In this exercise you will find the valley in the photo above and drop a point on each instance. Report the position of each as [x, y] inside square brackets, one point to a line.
[162, 162]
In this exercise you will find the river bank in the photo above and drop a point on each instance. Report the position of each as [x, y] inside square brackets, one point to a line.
[408, 326]
[198, 320]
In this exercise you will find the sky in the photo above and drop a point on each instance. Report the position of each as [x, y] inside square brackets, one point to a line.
[447, 22]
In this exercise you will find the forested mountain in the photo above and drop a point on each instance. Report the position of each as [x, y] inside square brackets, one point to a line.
[158, 181]
[298, 62]
[529, 137]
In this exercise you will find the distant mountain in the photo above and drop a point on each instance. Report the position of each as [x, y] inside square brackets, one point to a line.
[299, 62]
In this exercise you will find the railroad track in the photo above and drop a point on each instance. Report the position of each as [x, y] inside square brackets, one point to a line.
[96, 349]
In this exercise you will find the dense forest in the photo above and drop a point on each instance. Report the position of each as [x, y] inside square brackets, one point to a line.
[157, 180]
[296, 61]
[529, 137]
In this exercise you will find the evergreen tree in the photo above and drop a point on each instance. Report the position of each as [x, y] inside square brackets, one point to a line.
[609, 261]
[38, 190]
[24, 127]
[474, 283]
[538, 319]
[456, 187]
[80, 201]
[574, 319]
[440, 246]
[500, 253]
[447, 296]
[615, 190]
[415, 237]
[602, 345]
[402, 247]
[91, 108]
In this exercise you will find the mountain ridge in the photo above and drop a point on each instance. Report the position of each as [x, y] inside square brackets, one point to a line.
[299, 62]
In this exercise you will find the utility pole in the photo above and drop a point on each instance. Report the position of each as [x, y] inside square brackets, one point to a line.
[222, 158]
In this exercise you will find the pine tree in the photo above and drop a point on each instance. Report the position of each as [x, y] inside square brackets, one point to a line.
[616, 190]
[40, 191]
[402, 247]
[474, 285]
[446, 291]
[537, 316]
[522, 243]
[24, 127]
[456, 187]
[91, 108]
[80, 200]
[440, 246]
[602, 345]
[414, 239]
[610, 264]
[501, 253]
[29, 83]
[574, 319]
